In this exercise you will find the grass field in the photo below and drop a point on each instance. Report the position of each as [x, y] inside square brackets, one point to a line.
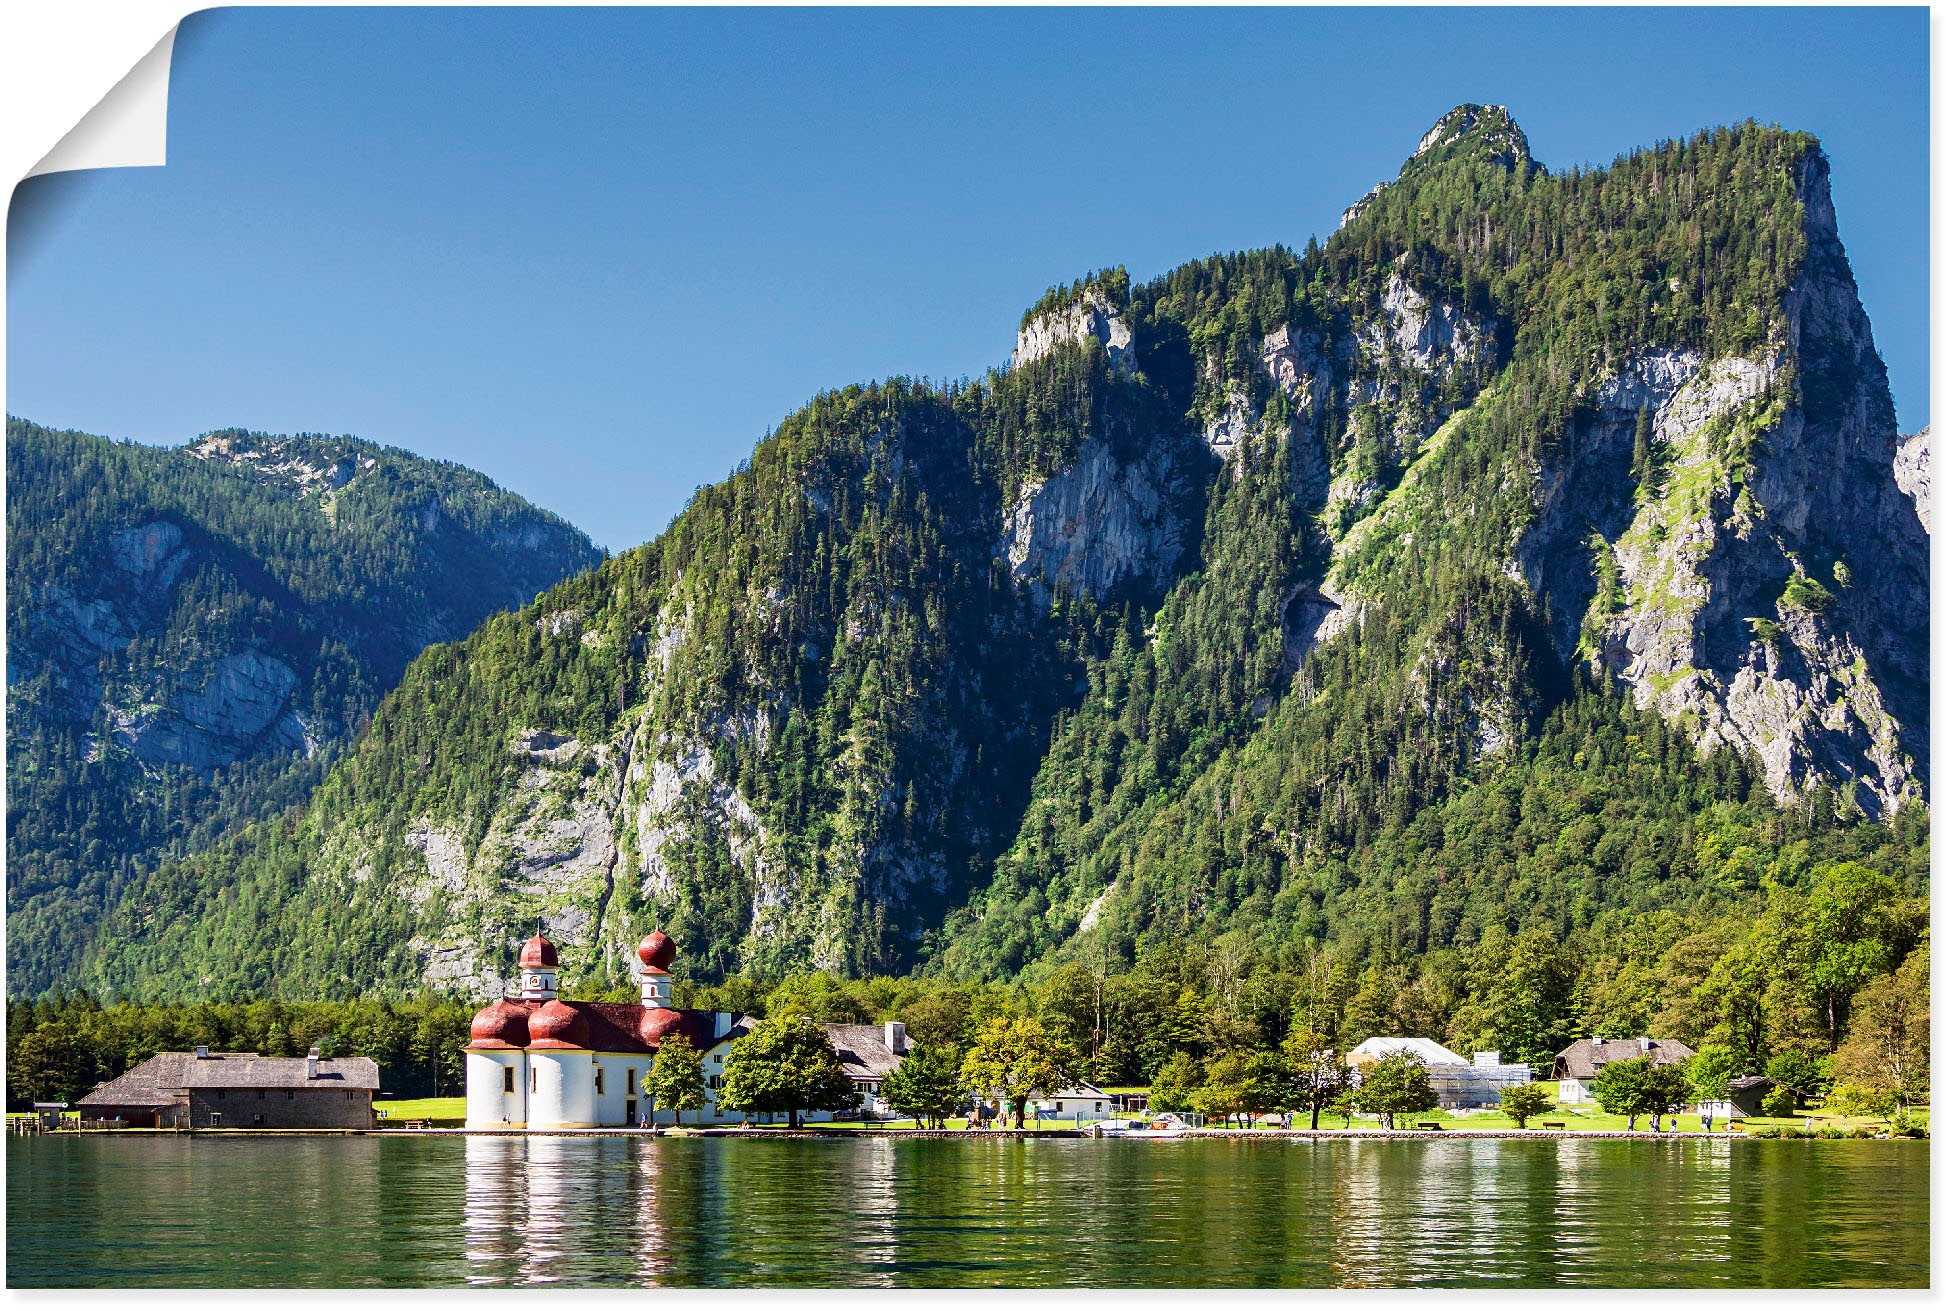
[437, 1109]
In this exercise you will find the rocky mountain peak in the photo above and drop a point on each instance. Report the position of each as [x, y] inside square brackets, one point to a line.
[306, 463]
[1486, 132]
[1096, 306]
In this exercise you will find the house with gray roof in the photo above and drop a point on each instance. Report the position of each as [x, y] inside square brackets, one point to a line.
[238, 1090]
[1577, 1066]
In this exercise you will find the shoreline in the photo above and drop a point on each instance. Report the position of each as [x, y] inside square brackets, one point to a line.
[1359, 1135]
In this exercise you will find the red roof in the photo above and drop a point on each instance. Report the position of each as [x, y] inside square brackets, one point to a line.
[503, 1024]
[657, 950]
[602, 1026]
[539, 953]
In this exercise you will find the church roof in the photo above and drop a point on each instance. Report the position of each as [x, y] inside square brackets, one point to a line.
[600, 1026]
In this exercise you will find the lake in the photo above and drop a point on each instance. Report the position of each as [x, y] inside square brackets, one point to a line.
[452, 1211]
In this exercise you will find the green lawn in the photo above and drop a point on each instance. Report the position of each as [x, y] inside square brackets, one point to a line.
[436, 1109]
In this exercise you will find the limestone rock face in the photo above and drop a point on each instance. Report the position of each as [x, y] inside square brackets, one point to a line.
[1091, 316]
[1766, 582]
[1100, 523]
[243, 705]
[1913, 470]
[1432, 336]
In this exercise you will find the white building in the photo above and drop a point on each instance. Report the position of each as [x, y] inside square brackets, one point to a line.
[1457, 1081]
[1082, 1098]
[536, 1061]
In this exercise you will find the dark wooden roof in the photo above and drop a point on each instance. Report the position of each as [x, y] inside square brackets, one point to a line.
[862, 1051]
[1583, 1059]
[166, 1076]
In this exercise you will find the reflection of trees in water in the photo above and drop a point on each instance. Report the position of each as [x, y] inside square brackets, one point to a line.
[1007, 1213]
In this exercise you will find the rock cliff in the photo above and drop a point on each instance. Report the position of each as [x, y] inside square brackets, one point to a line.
[1203, 622]
[194, 633]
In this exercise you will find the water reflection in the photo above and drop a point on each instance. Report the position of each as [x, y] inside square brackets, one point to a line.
[988, 1212]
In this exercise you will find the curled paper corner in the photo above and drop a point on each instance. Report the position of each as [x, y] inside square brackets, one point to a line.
[128, 128]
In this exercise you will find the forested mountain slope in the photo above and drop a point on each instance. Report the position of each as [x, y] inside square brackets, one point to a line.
[1528, 556]
[193, 635]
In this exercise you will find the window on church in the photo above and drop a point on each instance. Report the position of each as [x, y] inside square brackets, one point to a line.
[599, 1089]
[533, 1081]
[507, 1079]
[629, 1085]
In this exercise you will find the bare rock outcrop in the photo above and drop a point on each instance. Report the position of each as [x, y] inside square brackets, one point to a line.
[1913, 471]
[1092, 315]
[1764, 582]
[1098, 523]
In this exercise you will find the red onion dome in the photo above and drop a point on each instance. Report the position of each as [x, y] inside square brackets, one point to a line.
[503, 1024]
[657, 950]
[539, 953]
[658, 1023]
[557, 1024]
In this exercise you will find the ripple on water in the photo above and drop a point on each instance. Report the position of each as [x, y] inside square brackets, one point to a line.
[448, 1212]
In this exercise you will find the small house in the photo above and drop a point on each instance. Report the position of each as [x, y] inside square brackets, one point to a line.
[238, 1090]
[1743, 1098]
[869, 1052]
[1079, 1099]
[1576, 1067]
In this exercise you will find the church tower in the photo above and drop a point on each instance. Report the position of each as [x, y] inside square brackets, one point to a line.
[658, 988]
[539, 970]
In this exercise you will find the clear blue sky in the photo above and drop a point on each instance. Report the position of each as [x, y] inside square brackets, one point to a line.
[598, 253]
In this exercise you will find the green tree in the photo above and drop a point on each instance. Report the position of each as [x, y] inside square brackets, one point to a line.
[925, 1085]
[1851, 918]
[674, 1078]
[1318, 1074]
[1710, 1070]
[1524, 1101]
[1620, 1087]
[1664, 1088]
[49, 1064]
[1223, 1093]
[1866, 1100]
[1175, 1084]
[1013, 1059]
[817, 996]
[786, 1064]
[1399, 1084]
[1890, 1043]
[1800, 1071]
[1521, 994]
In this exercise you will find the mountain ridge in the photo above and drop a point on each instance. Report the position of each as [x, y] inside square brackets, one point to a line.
[194, 633]
[1227, 586]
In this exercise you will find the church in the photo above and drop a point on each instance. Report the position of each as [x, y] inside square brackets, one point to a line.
[536, 1061]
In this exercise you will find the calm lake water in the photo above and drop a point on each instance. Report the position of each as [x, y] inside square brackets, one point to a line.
[995, 1213]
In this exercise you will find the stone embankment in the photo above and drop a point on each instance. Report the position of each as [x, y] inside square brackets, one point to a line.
[819, 1132]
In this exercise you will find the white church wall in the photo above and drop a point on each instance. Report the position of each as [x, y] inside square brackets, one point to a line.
[488, 1104]
[614, 1095]
[561, 1090]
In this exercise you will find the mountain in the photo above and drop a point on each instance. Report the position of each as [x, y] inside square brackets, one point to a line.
[1534, 555]
[193, 635]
